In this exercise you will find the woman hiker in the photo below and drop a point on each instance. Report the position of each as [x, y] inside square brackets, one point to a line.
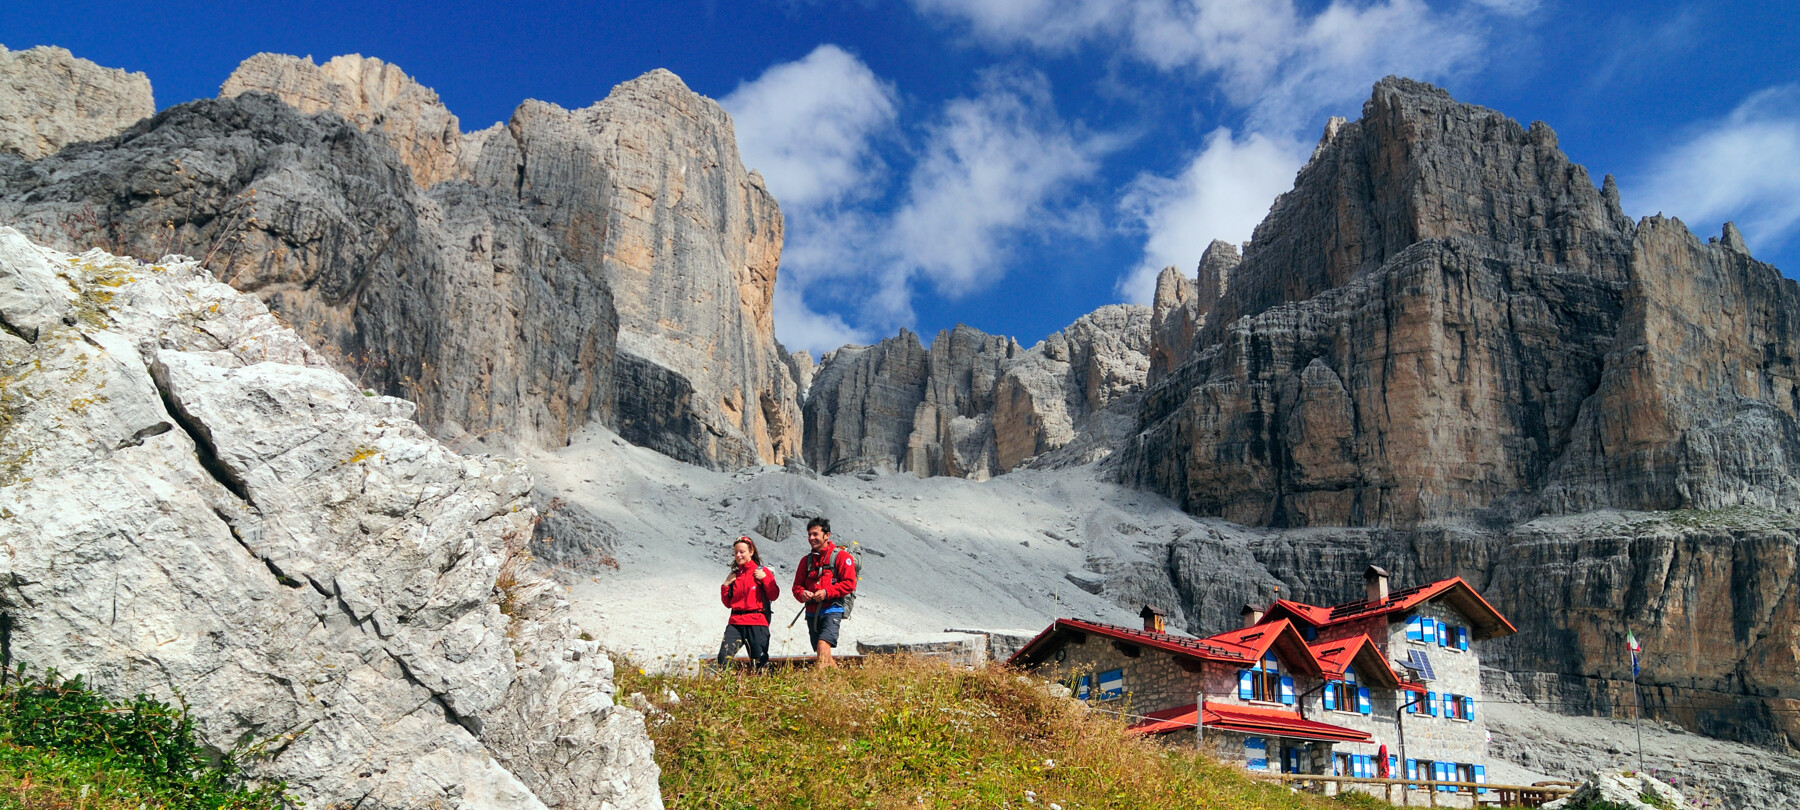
[748, 591]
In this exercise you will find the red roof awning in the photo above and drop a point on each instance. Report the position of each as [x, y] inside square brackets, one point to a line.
[1247, 719]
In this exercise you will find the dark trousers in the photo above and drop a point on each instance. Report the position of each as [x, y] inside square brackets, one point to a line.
[754, 636]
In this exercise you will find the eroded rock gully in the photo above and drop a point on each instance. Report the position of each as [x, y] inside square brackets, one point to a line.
[196, 506]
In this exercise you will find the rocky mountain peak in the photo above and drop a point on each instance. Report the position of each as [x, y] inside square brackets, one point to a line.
[376, 96]
[49, 99]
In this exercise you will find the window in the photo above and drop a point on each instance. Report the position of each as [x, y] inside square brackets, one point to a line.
[1265, 682]
[1459, 707]
[1112, 684]
[1346, 696]
[1340, 765]
[1256, 754]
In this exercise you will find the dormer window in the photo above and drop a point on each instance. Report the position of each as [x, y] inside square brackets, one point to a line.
[1265, 682]
[1347, 696]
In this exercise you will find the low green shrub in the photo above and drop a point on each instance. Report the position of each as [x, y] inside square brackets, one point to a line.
[64, 745]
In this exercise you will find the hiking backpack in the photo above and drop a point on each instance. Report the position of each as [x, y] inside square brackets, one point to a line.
[847, 600]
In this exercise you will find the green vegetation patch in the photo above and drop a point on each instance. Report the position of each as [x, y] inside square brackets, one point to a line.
[64, 746]
[905, 732]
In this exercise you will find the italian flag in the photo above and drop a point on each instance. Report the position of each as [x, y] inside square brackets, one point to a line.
[1631, 643]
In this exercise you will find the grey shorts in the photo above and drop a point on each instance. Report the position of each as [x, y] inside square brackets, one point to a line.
[823, 627]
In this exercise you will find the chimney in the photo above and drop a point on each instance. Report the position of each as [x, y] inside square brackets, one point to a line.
[1252, 615]
[1153, 620]
[1375, 580]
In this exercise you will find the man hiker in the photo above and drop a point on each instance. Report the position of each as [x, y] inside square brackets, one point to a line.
[826, 576]
[748, 590]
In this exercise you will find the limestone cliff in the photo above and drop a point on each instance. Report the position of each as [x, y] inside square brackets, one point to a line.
[614, 264]
[50, 99]
[377, 97]
[1410, 335]
[451, 298]
[976, 405]
[646, 186]
[1446, 352]
[196, 506]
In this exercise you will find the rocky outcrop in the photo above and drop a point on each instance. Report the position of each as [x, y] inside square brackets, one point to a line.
[614, 264]
[1698, 405]
[646, 186]
[1411, 334]
[377, 97]
[50, 99]
[1052, 395]
[454, 299]
[197, 506]
[1182, 305]
[1446, 352]
[976, 405]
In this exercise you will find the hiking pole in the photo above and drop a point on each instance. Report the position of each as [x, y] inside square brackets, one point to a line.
[797, 617]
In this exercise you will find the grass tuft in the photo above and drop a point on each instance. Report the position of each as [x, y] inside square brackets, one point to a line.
[908, 732]
[64, 746]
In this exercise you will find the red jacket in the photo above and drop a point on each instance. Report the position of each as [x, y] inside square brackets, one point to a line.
[747, 597]
[836, 581]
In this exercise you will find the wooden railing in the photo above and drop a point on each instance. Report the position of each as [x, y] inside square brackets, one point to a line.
[1496, 795]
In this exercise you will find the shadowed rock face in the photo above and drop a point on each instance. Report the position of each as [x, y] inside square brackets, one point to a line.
[497, 278]
[453, 298]
[1447, 353]
[1446, 319]
[375, 96]
[50, 99]
[647, 187]
[976, 405]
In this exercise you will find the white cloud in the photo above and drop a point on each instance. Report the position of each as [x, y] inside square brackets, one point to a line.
[810, 126]
[1268, 57]
[803, 328]
[997, 166]
[1744, 167]
[1223, 193]
[990, 168]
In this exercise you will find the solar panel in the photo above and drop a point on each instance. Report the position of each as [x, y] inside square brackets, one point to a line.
[1418, 661]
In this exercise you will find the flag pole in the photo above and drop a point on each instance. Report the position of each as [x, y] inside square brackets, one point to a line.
[1637, 701]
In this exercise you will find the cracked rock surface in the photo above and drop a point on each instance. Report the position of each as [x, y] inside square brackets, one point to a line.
[195, 506]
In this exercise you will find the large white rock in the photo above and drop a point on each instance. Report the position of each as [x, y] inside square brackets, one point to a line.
[195, 506]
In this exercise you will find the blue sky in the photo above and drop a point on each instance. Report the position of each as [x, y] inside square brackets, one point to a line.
[1013, 164]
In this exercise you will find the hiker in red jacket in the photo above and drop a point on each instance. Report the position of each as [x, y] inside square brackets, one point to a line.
[826, 577]
[749, 590]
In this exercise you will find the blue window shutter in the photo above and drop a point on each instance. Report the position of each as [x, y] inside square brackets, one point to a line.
[1412, 769]
[1245, 691]
[1256, 754]
[1443, 634]
[1082, 691]
[1330, 696]
[1431, 704]
[1414, 631]
[1393, 766]
[1412, 702]
[1480, 777]
[1462, 638]
[1287, 689]
[1468, 708]
[1362, 701]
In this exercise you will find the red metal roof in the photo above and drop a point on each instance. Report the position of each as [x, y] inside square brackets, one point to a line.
[1488, 621]
[1249, 719]
[1336, 656]
[1179, 645]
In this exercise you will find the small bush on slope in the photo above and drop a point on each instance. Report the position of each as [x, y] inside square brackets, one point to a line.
[899, 732]
[63, 746]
